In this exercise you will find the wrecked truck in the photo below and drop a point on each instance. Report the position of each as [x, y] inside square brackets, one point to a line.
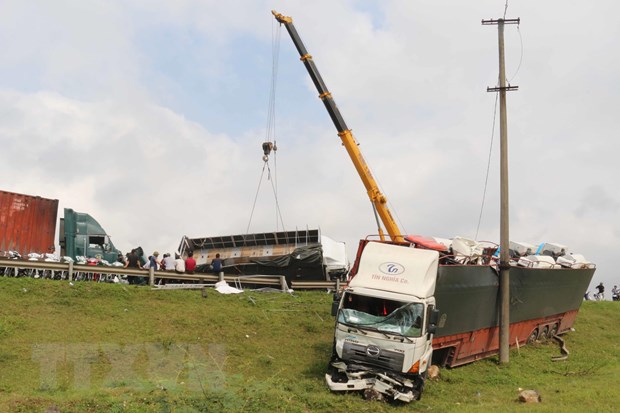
[385, 321]
[28, 225]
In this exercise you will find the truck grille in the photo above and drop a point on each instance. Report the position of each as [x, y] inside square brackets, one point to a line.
[373, 355]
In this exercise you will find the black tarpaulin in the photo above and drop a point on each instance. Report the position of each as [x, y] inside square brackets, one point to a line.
[308, 256]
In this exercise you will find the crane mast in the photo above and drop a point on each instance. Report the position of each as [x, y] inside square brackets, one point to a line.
[378, 200]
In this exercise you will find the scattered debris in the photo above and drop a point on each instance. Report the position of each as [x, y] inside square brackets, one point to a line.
[517, 345]
[272, 290]
[222, 287]
[320, 318]
[563, 350]
[433, 372]
[372, 394]
[529, 396]
[285, 310]
[182, 286]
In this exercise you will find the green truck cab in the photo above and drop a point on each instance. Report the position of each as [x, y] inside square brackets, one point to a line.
[81, 235]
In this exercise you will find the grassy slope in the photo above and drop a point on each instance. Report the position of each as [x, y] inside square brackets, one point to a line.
[138, 350]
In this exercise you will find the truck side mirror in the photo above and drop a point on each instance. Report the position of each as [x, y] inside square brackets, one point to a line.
[335, 304]
[432, 322]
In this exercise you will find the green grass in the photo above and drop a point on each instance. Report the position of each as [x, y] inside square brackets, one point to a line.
[100, 347]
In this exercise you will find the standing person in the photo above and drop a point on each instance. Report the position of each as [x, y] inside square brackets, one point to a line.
[190, 263]
[133, 261]
[120, 259]
[179, 264]
[601, 292]
[615, 293]
[216, 264]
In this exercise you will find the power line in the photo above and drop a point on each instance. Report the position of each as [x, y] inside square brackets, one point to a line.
[486, 179]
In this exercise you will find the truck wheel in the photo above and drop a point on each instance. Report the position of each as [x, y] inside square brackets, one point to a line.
[544, 334]
[553, 331]
[533, 336]
[420, 387]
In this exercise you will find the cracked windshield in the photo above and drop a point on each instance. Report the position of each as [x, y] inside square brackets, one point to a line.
[389, 316]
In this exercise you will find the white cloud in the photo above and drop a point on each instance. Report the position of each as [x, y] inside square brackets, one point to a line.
[149, 116]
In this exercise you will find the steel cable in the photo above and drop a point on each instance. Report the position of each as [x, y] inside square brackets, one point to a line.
[486, 179]
[270, 131]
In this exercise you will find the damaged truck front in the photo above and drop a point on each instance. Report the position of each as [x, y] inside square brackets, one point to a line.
[385, 321]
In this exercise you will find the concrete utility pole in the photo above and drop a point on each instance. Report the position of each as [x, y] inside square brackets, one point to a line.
[504, 256]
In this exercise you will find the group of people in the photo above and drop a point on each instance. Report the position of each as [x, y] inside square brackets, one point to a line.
[167, 263]
[600, 295]
[177, 264]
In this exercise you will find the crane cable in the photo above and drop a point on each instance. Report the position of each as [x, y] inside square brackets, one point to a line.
[260, 181]
[268, 145]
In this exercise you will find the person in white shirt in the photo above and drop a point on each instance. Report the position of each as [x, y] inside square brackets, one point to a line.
[168, 262]
[179, 264]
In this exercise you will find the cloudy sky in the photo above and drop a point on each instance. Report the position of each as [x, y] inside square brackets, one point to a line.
[150, 115]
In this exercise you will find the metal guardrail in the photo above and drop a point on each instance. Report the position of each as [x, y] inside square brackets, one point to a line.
[306, 285]
[71, 270]
[260, 279]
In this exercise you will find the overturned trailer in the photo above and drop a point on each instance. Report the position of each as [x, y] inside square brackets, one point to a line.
[297, 255]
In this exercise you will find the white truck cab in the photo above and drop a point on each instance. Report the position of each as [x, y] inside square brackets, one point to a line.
[385, 320]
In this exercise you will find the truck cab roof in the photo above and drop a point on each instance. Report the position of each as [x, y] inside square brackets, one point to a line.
[397, 268]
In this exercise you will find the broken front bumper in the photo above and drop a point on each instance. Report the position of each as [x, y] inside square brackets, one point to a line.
[374, 384]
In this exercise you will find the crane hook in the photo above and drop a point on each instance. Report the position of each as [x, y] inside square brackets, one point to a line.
[267, 148]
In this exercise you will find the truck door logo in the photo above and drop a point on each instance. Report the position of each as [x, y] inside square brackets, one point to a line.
[373, 351]
[391, 268]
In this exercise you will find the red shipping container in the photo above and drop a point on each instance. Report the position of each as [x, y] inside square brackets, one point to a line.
[27, 223]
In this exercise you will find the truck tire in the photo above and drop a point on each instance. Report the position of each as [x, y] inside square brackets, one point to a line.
[554, 330]
[533, 336]
[420, 386]
[544, 334]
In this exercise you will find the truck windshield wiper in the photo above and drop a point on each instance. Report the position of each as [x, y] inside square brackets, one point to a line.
[353, 329]
[402, 336]
[389, 334]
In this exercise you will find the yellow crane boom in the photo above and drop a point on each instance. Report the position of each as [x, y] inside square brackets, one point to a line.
[378, 200]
